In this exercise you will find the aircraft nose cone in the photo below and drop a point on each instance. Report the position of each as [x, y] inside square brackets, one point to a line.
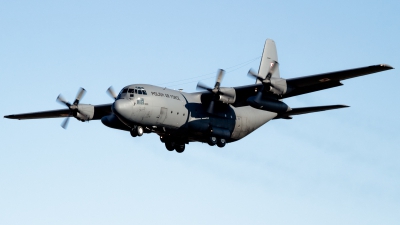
[122, 108]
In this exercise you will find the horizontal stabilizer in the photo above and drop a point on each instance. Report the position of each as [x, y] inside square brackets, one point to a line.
[299, 111]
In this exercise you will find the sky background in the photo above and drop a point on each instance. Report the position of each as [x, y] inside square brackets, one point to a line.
[335, 167]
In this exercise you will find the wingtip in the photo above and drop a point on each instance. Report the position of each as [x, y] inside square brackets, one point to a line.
[389, 67]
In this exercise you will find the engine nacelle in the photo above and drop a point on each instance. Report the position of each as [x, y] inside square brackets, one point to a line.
[85, 112]
[229, 95]
[268, 104]
[279, 85]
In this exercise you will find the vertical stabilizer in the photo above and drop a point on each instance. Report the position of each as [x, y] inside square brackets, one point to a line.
[269, 56]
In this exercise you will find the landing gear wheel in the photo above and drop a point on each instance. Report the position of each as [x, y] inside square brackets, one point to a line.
[139, 131]
[180, 148]
[170, 146]
[212, 141]
[134, 132]
[221, 142]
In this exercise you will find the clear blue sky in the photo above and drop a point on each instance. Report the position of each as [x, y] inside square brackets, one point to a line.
[336, 167]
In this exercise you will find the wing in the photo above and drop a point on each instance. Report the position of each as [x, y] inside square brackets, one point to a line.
[305, 110]
[244, 92]
[99, 112]
[307, 84]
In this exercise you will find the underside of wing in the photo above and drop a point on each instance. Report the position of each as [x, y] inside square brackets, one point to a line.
[40, 115]
[244, 92]
[99, 112]
[305, 110]
[307, 84]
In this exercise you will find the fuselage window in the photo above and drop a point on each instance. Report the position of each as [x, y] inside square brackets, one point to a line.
[140, 101]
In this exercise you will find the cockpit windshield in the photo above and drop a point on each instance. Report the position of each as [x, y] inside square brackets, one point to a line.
[132, 91]
[138, 90]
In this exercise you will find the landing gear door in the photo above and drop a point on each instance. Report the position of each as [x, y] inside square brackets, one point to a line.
[162, 116]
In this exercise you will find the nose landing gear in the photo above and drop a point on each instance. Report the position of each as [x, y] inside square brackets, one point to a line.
[137, 131]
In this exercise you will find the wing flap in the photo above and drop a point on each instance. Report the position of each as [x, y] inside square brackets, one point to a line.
[305, 110]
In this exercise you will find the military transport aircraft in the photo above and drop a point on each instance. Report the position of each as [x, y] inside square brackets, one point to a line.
[216, 115]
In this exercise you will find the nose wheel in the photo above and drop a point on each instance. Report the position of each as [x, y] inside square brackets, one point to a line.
[137, 131]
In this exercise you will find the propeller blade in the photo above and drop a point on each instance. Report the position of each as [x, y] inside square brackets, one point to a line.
[111, 92]
[79, 96]
[221, 73]
[203, 86]
[60, 99]
[64, 124]
[252, 74]
[210, 108]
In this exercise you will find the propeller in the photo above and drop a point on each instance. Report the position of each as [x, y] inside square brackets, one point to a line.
[217, 85]
[216, 90]
[73, 108]
[111, 93]
[266, 81]
[267, 78]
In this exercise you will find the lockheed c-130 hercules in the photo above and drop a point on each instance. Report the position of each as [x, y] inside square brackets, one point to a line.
[216, 115]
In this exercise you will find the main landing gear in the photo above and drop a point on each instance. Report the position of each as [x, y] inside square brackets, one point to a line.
[220, 142]
[171, 145]
[177, 146]
[137, 131]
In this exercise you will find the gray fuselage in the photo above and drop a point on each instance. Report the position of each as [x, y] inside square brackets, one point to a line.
[183, 115]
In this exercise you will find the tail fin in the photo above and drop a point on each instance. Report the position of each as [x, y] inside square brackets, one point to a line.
[269, 57]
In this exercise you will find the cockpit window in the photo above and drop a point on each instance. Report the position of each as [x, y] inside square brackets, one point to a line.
[131, 90]
[124, 90]
[139, 90]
